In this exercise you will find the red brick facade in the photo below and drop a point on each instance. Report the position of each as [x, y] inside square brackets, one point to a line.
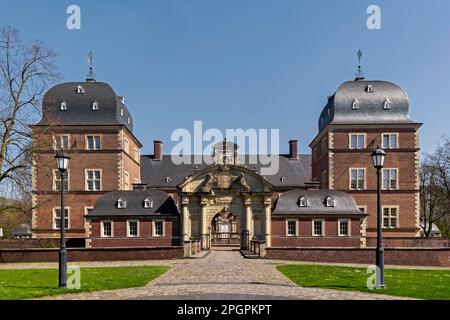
[332, 160]
[146, 235]
[111, 159]
[305, 238]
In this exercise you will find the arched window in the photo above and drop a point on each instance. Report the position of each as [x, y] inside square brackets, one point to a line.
[387, 104]
[302, 202]
[121, 204]
[63, 106]
[329, 201]
[80, 89]
[148, 203]
[95, 106]
[369, 89]
[355, 104]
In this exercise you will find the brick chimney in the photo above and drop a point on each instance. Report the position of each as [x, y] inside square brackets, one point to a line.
[293, 151]
[157, 145]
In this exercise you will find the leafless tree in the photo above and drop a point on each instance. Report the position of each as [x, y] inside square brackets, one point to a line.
[26, 72]
[435, 189]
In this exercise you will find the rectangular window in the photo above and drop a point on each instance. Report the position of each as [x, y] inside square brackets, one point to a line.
[93, 180]
[136, 154]
[344, 228]
[317, 228]
[292, 228]
[57, 180]
[107, 229]
[357, 141]
[357, 179]
[93, 143]
[390, 179]
[61, 142]
[133, 228]
[390, 141]
[390, 217]
[57, 218]
[158, 228]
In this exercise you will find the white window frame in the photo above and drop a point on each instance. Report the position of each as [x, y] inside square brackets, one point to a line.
[87, 208]
[93, 136]
[59, 137]
[54, 217]
[154, 228]
[358, 135]
[57, 177]
[121, 204]
[129, 229]
[389, 179]
[396, 134]
[296, 227]
[150, 202]
[322, 221]
[349, 227]
[330, 204]
[102, 229]
[302, 202]
[357, 179]
[397, 208]
[86, 179]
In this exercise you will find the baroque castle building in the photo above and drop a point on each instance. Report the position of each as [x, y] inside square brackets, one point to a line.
[116, 197]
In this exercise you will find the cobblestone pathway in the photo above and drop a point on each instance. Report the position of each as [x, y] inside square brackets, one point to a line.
[223, 275]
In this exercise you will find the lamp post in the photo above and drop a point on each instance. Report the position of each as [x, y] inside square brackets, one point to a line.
[62, 163]
[378, 157]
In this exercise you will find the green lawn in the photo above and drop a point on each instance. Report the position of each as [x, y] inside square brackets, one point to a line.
[35, 283]
[421, 284]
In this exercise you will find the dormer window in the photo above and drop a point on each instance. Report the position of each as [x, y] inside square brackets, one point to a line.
[129, 121]
[302, 202]
[148, 203]
[95, 106]
[329, 201]
[387, 104]
[80, 89]
[283, 179]
[63, 106]
[355, 105]
[369, 89]
[121, 112]
[121, 204]
[167, 179]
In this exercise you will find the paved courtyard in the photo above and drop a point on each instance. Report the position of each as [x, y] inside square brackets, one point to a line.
[223, 275]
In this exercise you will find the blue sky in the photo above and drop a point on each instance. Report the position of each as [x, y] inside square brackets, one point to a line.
[247, 64]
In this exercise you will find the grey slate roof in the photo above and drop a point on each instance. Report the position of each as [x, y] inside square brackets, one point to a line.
[288, 203]
[79, 106]
[339, 106]
[154, 173]
[106, 205]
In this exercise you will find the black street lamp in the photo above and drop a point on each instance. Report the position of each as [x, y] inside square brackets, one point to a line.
[62, 163]
[378, 157]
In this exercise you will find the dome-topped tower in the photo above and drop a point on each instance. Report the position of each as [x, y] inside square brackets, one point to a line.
[84, 103]
[366, 101]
